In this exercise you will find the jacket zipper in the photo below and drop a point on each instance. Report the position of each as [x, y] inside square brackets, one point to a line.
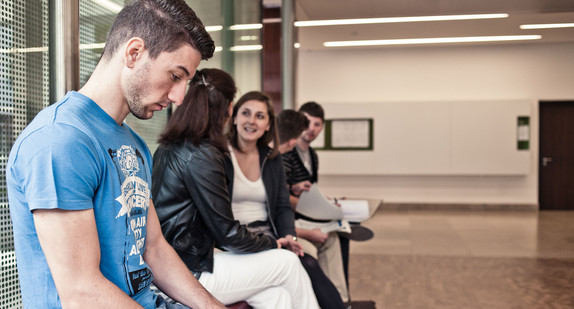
[267, 197]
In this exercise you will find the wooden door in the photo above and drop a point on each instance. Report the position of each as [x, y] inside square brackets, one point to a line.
[556, 156]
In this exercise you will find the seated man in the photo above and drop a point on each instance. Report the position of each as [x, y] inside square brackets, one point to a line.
[301, 166]
[86, 232]
[301, 170]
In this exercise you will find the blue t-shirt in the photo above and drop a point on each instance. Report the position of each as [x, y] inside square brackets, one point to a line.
[74, 156]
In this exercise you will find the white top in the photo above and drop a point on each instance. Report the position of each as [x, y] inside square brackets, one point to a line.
[305, 156]
[249, 197]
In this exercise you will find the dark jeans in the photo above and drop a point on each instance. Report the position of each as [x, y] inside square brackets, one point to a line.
[345, 247]
[326, 293]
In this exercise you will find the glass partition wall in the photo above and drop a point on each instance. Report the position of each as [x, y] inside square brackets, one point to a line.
[24, 78]
[23, 93]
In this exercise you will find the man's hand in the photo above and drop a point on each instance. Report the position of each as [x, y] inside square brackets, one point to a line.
[299, 187]
[171, 275]
[335, 200]
[316, 235]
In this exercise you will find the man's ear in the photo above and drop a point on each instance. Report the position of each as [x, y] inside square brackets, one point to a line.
[134, 50]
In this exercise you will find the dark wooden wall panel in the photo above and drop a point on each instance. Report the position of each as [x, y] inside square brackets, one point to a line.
[271, 57]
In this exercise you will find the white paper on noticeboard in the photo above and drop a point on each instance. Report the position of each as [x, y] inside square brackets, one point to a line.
[350, 133]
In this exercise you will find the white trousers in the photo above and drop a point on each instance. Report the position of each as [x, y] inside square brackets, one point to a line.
[268, 279]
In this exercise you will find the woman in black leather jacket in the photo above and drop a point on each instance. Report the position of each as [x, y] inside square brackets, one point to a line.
[254, 164]
[189, 189]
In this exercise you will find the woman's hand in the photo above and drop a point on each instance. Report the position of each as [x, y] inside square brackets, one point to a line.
[289, 242]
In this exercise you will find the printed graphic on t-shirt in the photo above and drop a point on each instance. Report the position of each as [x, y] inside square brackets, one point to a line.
[134, 201]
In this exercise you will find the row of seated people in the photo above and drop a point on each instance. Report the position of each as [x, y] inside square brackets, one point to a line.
[223, 201]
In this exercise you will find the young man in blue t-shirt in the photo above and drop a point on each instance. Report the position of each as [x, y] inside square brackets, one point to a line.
[85, 228]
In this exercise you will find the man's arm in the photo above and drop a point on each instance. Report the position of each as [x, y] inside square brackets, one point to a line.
[69, 239]
[171, 275]
[314, 235]
[298, 188]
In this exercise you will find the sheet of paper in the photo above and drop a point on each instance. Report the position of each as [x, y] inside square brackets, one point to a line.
[355, 210]
[314, 204]
[350, 133]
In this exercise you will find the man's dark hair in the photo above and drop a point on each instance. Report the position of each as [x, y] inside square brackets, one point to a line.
[204, 111]
[313, 109]
[290, 124]
[164, 26]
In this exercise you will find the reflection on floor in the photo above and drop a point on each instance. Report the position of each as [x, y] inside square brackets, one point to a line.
[466, 259]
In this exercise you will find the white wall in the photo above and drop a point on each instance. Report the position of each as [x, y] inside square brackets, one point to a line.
[499, 72]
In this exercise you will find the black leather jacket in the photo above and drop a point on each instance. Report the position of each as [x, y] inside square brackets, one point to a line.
[189, 189]
[273, 176]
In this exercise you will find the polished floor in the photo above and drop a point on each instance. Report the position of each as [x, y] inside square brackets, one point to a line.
[465, 259]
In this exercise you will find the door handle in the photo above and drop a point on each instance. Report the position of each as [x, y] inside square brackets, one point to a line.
[546, 160]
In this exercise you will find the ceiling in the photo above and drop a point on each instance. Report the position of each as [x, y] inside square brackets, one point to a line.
[520, 12]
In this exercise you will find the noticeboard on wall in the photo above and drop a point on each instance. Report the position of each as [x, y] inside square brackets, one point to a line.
[346, 134]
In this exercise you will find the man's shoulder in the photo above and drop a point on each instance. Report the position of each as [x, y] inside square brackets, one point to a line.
[312, 151]
[42, 135]
[290, 155]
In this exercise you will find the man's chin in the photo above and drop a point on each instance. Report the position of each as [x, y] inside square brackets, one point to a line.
[147, 116]
[309, 139]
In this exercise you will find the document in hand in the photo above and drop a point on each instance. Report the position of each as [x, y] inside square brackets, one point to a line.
[355, 210]
[314, 204]
[325, 227]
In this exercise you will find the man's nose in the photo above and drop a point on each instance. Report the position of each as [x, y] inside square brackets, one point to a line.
[177, 94]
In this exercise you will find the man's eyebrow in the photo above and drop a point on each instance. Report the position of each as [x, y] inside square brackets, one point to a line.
[183, 69]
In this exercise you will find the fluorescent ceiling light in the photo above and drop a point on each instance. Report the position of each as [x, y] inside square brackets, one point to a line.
[546, 26]
[332, 22]
[214, 28]
[432, 40]
[235, 27]
[116, 8]
[271, 20]
[92, 46]
[246, 27]
[23, 50]
[246, 47]
[248, 38]
[219, 49]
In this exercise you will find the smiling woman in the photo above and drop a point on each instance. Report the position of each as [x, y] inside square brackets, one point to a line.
[258, 188]
[255, 112]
